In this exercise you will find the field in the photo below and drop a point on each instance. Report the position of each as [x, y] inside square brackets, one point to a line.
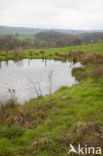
[47, 125]
[50, 53]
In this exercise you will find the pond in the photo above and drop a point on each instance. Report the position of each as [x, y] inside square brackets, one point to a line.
[30, 78]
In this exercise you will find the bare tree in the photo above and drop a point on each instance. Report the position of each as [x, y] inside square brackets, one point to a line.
[36, 87]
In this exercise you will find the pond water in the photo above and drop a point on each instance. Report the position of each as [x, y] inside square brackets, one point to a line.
[29, 78]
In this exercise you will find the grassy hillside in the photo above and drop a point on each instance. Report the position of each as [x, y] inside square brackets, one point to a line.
[89, 49]
[47, 125]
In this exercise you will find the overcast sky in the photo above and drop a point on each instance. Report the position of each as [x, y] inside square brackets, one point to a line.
[65, 14]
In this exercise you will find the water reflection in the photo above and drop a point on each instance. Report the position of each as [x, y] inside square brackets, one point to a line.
[27, 77]
[0, 65]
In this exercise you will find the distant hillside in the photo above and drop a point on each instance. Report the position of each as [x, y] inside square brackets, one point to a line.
[87, 37]
[23, 31]
[54, 35]
[17, 31]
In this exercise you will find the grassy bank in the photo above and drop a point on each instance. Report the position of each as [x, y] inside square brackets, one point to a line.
[46, 126]
[50, 53]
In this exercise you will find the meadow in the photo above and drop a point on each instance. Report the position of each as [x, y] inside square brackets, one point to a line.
[50, 53]
[46, 126]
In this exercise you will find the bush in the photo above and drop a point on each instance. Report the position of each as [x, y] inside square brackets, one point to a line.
[42, 52]
[76, 54]
[18, 52]
[7, 110]
[97, 73]
[93, 59]
[57, 54]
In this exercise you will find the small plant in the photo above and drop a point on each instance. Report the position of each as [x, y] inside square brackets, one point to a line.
[31, 53]
[18, 52]
[36, 87]
[12, 99]
[36, 54]
[42, 52]
[50, 55]
[57, 54]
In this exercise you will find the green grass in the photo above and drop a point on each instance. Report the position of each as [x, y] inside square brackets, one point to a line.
[90, 48]
[46, 126]
[55, 119]
[50, 52]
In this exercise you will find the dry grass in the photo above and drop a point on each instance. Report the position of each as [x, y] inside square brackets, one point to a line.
[97, 73]
[41, 142]
[76, 54]
[93, 59]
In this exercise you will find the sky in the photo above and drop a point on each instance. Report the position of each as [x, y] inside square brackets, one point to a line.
[63, 14]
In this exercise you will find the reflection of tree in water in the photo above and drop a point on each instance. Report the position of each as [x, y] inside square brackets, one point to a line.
[45, 61]
[50, 76]
[18, 62]
[28, 62]
[71, 64]
[7, 63]
[35, 82]
[38, 80]
[0, 64]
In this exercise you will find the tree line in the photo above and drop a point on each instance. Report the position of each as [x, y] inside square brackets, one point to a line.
[9, 42]
[48, 40]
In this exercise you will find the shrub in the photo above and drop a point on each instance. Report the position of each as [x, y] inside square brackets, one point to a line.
[18, 52]
[42, 52]
[50, 55]
[93, 59]
[76, 54]
[97, 73]
[7, 110]
[36, 54]
[57, 54]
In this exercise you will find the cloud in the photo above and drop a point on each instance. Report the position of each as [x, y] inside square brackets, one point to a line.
[69, 14]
